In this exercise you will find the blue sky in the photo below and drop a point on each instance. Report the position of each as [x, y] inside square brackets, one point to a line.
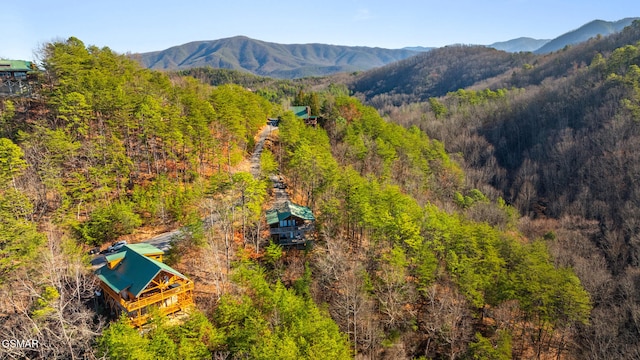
[141, 26]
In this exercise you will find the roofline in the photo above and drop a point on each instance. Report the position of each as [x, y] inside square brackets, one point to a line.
[159, 267]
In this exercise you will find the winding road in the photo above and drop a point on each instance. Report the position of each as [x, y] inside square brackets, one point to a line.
[163, 241]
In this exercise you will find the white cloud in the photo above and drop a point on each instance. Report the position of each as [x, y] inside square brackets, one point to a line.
[363, 15]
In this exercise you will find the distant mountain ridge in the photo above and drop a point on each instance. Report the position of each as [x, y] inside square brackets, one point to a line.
[520, 44]
[447, 69]
[289, 61]
[584, 33]
[435, 73]
[581, 34]
[418, 48]
[272, 59]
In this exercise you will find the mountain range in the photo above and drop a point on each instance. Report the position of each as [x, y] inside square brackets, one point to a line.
[272, 59]
[583, 33]
[303, 60]
[520, 44]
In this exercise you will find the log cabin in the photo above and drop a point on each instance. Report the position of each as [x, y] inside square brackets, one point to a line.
[135, 279]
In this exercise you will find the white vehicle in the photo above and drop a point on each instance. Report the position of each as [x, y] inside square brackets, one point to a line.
[117, 246]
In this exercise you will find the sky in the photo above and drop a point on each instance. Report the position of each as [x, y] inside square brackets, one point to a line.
[143, 26]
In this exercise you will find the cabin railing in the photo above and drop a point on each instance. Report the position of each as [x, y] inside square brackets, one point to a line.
[143, 302]
[285, 230]
[140, 319]
[297, 230]
[14, 87]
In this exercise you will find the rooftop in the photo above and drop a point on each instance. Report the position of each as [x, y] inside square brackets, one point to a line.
[300, 111]
[135, 271]
[15, 65]
[274, 216]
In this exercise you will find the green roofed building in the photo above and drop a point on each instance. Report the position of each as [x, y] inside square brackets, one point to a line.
[304, 113]
[289, 222]
[15, 68]
[135, 279]
[14, 77]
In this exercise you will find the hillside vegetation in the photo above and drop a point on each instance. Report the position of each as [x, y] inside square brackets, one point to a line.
[555, 137]
[422, 281]
[109, 149]
[434, 74]
[408, 261]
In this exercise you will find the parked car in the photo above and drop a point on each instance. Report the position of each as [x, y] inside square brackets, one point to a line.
[94, 251]
[117, 246]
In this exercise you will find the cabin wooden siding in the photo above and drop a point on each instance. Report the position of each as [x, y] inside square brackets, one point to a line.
[15, 76]
[16, 69]
[167, 290]
[287, 229]
[168, 300]
[289, 223]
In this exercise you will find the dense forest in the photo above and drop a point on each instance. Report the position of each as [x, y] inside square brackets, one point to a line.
[435, 73]
[556, 137]
[485, 213]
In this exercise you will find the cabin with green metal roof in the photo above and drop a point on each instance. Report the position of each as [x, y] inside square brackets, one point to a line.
[15, 76]
[15, 68]
[289, 222]
[135, 279]
[141, 248]
[304, 113]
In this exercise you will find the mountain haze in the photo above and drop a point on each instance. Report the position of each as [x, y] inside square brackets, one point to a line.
[289, 61]
[418, 48]
[581, 34]
[436, 73]
[584, 33]
[271, 59]
[520, 44]
[450, 68]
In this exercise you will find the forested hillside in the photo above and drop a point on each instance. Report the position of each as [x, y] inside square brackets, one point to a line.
[557, 137]
[108, 149]
[448, 69]
[409, 259]
[403, 276]
[288, 61]
[435, 73]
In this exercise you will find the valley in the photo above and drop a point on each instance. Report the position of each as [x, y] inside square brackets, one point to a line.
[463, 202]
